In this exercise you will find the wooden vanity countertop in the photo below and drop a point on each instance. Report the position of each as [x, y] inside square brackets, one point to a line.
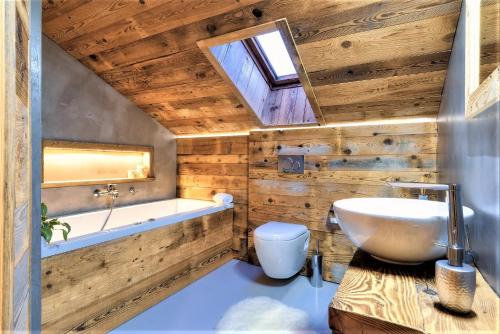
[376, 297]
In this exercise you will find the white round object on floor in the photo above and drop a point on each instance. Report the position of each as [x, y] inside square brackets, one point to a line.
[261, 315]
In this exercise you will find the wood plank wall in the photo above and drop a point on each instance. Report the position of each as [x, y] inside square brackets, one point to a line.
[339, 163]
[15, 159]
[244, 73]
[95, 289]
[288, 106]
[206, 166]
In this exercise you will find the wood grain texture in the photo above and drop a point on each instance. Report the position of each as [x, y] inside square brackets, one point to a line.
[116, 280]
[15, 159]
[339, 163]
[489, 35]
[206, 166]
[376, 297]
[382, 54]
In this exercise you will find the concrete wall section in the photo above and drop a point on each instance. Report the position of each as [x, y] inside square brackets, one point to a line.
[78, 105]
[469, 154]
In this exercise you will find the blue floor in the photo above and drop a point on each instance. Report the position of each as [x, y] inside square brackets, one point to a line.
[199, 307]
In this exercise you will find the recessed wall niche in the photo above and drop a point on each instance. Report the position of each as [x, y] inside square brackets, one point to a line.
[68, 163]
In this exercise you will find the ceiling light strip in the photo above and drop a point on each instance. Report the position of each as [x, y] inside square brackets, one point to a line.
[330, 125]
[212, 135]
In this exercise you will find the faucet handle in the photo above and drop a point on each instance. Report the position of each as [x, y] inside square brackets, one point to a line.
[111, 187]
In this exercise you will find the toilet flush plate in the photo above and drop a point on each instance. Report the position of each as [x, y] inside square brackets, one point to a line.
[291, 164]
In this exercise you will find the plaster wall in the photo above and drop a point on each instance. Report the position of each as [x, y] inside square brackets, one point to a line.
[78, 105]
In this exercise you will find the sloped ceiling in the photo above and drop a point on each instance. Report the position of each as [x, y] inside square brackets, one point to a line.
[367, 60]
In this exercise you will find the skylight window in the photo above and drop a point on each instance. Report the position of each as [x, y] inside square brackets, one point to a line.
[275, 51]
[271, 56]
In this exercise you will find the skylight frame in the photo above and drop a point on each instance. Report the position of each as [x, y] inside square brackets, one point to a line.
[265, 67]
[282, 26]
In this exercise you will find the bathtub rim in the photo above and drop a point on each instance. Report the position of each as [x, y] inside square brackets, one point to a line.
[99, 237]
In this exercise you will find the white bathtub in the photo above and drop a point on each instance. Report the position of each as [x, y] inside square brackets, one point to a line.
[124, 221]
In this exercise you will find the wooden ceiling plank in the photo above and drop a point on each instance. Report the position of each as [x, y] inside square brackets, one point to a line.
[92, 16]
[437, 61]
[185, 37]
[403, 104]
[165, 78]
[218, 128]
[415, 85]
[179, 60]
[170, 15]
[170, 111]
[377, 115]
[190, 90]
[369, 15]
[210, 120]
[52, 9]
[427, 106]
[401, 41]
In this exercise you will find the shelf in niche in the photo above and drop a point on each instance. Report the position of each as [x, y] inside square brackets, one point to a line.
[71, 163]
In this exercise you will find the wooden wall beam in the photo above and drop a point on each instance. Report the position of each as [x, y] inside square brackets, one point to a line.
[206, 166]
[19, 74]
[7, 159]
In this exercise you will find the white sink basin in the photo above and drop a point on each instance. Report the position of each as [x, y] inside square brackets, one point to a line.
[397, 230]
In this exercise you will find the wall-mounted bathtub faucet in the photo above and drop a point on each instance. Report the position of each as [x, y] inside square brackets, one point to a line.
[110, 191]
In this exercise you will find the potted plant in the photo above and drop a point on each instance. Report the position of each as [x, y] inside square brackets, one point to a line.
[49, 226]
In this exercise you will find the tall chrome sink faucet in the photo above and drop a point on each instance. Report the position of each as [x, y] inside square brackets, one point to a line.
[456, 226]
[455, 280]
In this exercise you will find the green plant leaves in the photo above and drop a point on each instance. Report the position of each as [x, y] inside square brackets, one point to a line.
[44, 211]
[46, 233]
[48, 226]
[66, 231]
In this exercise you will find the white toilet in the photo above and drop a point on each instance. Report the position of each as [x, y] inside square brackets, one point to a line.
[281, 248]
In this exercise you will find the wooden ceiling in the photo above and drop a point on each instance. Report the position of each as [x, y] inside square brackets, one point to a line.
[367, 60]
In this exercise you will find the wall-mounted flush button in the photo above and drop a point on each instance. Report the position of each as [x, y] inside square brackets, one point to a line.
[291, 164]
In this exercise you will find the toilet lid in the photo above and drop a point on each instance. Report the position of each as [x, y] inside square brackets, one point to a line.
[279, 231]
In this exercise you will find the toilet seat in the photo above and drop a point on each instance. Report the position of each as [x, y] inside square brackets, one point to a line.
[274, 230]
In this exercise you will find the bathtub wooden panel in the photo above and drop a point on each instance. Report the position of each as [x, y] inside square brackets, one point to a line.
[339, 163]
[99, 287]
[206, 166]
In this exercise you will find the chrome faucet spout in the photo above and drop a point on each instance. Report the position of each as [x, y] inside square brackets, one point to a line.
[456, 226]
[110, 191]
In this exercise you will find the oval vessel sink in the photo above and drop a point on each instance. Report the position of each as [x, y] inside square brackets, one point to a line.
[397, 230]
